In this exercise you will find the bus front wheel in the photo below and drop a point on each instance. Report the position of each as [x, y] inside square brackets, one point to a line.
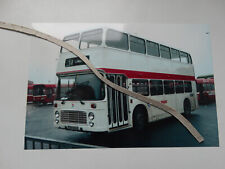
[140, 118]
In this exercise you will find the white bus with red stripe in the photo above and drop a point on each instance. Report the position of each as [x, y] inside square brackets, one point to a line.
[84, 103]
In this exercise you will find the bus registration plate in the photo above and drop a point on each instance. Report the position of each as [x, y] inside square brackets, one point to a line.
[72, 128]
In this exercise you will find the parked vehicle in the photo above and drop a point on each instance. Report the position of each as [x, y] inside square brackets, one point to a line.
[30, 93]
[44, 93]
[205, 91]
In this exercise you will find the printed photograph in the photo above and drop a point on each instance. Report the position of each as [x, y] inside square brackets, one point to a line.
[69, 107]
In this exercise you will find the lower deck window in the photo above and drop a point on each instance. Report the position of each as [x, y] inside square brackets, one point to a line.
[38, 90]
[30, 91]
[207, 87]
[141, 87]
[212, 86]
[168, 87]
[179, 85]
[156, 87]
[187, 87]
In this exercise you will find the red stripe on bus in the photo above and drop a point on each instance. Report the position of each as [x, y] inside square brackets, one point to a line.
[141, 74]
[148, 75]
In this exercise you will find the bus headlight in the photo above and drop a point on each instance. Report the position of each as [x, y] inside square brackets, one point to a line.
[91, 124]
[91, 116]
[57, 114]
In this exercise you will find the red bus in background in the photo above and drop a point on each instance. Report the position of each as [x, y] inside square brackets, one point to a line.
[30, 93]
[44, 93]
[205, 91]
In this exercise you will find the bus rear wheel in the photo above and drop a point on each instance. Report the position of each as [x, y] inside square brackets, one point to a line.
[187, 107]
[140, 119]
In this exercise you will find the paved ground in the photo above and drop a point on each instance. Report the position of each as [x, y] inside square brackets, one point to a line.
[165, 133]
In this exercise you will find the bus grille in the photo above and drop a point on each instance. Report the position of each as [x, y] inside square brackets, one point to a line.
[78, 117]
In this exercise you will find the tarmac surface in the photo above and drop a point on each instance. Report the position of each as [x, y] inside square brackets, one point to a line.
[164, 133]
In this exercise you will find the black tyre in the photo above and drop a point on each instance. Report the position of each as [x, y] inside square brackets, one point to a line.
[187, 107]
[140, 119]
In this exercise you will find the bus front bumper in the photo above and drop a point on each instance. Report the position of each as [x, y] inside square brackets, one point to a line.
[81, 128]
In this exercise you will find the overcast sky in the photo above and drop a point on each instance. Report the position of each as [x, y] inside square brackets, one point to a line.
[192, 38]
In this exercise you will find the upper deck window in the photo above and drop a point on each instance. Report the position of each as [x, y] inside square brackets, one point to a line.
[116, 39]
[137, 44]
[184, 57]
[152, 48]
[165, 51]
[189, 58]
[91, 39]
[72, 40]
[175, 55]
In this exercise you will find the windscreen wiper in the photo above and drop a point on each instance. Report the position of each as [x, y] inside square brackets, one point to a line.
[63, 100]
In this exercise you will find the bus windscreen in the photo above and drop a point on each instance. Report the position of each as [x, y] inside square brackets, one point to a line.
[80, 87]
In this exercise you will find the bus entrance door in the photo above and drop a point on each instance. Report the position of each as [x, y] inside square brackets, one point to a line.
[117, 102]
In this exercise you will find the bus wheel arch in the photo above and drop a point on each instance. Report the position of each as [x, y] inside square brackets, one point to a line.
[140, 117]
[187, 107]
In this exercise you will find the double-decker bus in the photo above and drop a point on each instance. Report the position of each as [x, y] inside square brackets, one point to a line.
[84, 103]
[44, 93]
[30, 93]
[205, 90]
